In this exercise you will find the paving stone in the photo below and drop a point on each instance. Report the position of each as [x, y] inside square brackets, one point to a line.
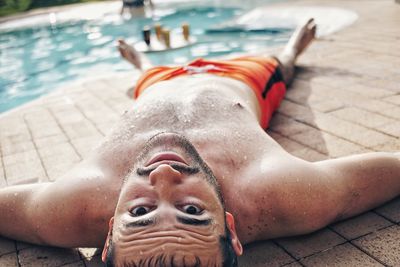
[49, 141]
[67, 114]
[297, 112]
[47, 256]
[391, 210]
[61, 153]
[393, 112]
[302, 93]
[326, 143]
[85, 146]
[25, 156]
[17, 138]
[309, 154]
[14, 127]
[9, 260]
[306, 245]
[8, 146]
[392, 145]
[368, 91]
[80, 129]
[349, 131]
[327, 106]
[2, 176]
[286, 143]
[363, 117]
[24, 167]
[293, 264]
[264, 254]
[23, 245]
[361, 225]
[287, 126]
[392, 128]
[92, 108]
[45, 129]
[58, 169]
[354, 99]
[384, 84]
[6, 246]
[393, 99]
[342, 255]
[383, 245]
[75, 264]
[105, 128]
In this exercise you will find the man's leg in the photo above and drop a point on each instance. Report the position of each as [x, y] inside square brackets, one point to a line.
[129, 53]
[298, 42]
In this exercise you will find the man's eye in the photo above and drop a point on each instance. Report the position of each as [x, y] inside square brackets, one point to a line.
[192, 209]
[140, 211]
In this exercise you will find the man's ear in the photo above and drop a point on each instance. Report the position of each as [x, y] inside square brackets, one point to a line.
[230, 222]
[109, 236]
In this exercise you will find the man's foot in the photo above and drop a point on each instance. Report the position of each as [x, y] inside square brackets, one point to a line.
[129, 53]
[301, 38]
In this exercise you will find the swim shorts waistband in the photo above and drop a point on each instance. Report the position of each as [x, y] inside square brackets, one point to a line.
[262, 74]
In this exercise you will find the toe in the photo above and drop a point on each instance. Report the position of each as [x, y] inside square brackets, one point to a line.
[314, 29]
[310, 20]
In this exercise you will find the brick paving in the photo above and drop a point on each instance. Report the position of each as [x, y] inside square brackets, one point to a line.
[345, 100]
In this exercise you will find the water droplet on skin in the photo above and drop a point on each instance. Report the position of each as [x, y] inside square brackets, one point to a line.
[141, 252]
[180, 239]
[15, 194]
[245, 157]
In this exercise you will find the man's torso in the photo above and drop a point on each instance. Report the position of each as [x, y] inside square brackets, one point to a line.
[219, 116]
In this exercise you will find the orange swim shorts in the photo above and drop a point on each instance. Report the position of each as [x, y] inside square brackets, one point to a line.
[260, 73]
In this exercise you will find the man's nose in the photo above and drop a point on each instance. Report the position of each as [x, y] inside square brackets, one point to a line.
[165, 174]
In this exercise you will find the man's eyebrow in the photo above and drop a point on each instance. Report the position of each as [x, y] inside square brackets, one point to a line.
[192, 221]
[140, 223]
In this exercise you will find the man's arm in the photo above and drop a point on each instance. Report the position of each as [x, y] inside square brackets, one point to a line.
[70, 212]
[365, 181]
[301, 197]
[335, 189]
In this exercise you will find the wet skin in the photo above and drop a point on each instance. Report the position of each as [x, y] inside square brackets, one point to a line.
[269, 192]
[168, 204]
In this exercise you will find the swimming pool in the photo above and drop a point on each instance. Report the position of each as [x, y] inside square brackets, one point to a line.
[35, 61]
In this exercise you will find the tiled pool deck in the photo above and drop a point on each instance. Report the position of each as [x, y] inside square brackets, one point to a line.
[345, 100]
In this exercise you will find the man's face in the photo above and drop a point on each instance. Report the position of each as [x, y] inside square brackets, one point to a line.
[169, 205]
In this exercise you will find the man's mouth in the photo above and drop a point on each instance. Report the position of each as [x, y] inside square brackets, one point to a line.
[172, 159]
[165, 158]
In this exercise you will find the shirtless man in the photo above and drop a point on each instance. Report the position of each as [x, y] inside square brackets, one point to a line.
[190, 171]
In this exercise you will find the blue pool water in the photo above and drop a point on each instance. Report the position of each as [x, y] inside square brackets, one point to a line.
[37, 60]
